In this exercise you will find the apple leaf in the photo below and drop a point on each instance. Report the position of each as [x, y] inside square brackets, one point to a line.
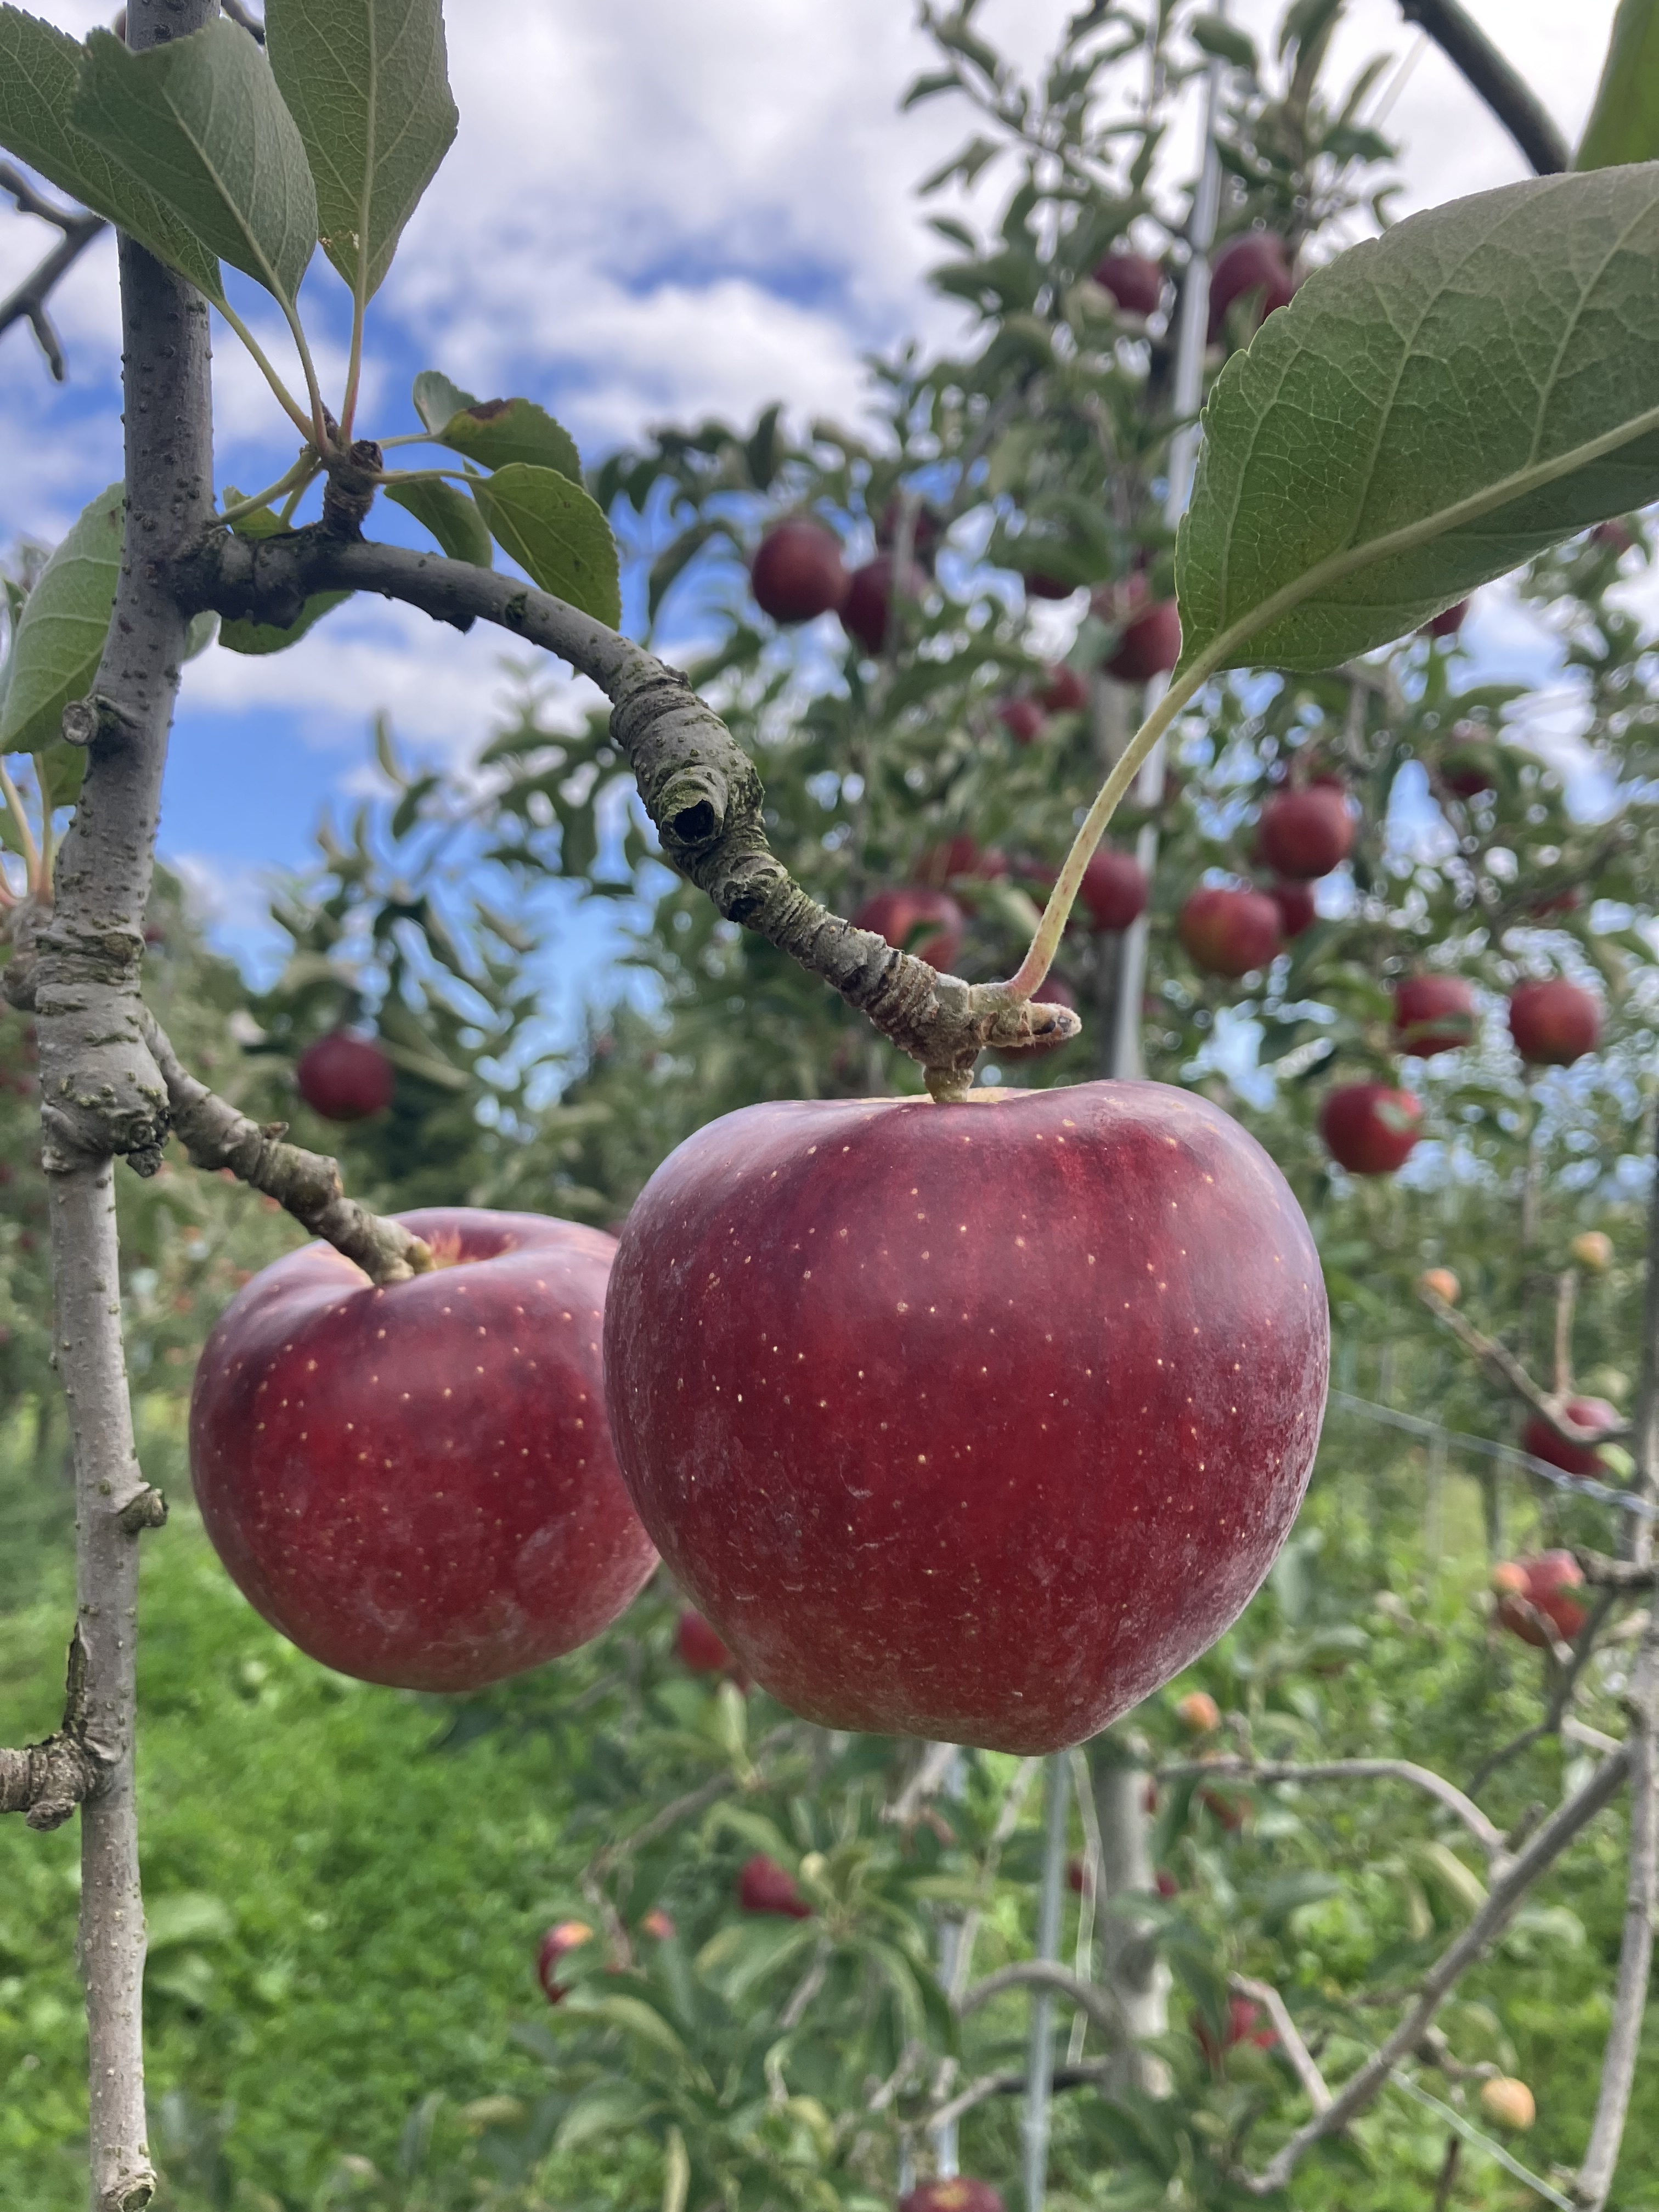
[59, 637]
[38, 67]
[254, 637]
[201, 124]
[1432, 410]
[498, 432]
[1623, 119]
[366, 83]
[449, 514]
[436, 399]
[557, 534]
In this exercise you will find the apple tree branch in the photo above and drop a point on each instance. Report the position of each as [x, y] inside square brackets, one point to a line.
[1500, 1361]
[27, 302]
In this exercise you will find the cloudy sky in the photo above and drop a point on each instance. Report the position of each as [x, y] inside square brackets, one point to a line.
[651, 212]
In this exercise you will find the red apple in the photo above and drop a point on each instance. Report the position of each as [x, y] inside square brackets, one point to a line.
[1296, 909]
[1242, 2017]
[1063, 691]
[1447, 622]
[765, 1886]
[1539, 1441]
[345, 1077]
[1023, 719]
[957, 2194]
[658, 1923]
[917, 918]
[1432, 1013]
[1466, 762]
[415, 1484]
[1039, 585]
[1134, 280]
[968, 1422]
[1530, 1588]
[1305, 834]
[1115, 888]
[1553, 1023]
[1228, 932]
[1567, 900]
[1613, 534]
[1256, 263]
[1150, 645]
[1079, 1878]
[798, 573]
[1370, 1129]
[1199, 1711]
[568, 1935]
[866, 611]
[698, 1645]
[1167, 1885]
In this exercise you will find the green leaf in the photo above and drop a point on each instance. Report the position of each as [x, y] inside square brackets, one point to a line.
[367, 86]
[1214, 35]
[269, 637]
[498, 432]
[38, 67]
[633, 2015]
[1433, 408]
[1624, 117]
[606, 2108]
[436, 399]
[557, 534]
[200, 123]
[449, 514]
[59, 637]
[189, 1916]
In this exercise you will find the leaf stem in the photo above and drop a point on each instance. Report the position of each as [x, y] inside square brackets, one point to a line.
[302, 471]
[320, 416]
[298, 493]
[25, 834]
[42, 887]
[354, 365]
[290, 406]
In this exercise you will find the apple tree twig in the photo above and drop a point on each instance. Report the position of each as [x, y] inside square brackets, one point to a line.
[1487, 73]
[1091, 1997]
[1289, 2037]
[1434, 1785]
[27, 302]
[1503, 1363]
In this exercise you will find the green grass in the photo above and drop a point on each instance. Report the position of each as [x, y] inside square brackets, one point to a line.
[344, 1921]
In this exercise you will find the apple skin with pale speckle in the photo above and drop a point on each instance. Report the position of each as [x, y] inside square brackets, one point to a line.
[415, 1484]
[969, 1422]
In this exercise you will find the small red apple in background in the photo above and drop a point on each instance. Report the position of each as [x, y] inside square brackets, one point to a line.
[658, 1923]
[1199, 1711]
[1540, 1587]
[1539, 1441]
[1508, 2102]
[1079, 1878]
[1553, 1023]
[1442, 1283]
[916, 919]
[765, 1886]
[1243, 2019]
[1115, 889]
[1296, 909]
[1228, 932]
[1063, 691]
[1135, 281]
[1023, 719]
[1432, 1013]
[1612, 533]
[1232, 1811]
[415, 1484]
[1369, 1129]
[955, 1329]
[798, 573]
[568, 1935]
[1166, 1883]
[1256, 263]
[1305, 834]
[1447, 622]
[1150, 645]
[1466, 762]
[866, 610]
[1039, 585]
[957, 2194]
[345, 1077]
[698, 1645]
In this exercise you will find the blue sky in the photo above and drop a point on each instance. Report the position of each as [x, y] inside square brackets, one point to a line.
[651, 213]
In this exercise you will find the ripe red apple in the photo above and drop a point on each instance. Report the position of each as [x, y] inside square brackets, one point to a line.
[1553, 1023]
[1063, 691]
[1150, 645]
[957, 2194]
[1228, 932]
[1135, 281]
[798, 573]
[1199, 1711]
[1466, 762]
[1256, 263]
[765, 1886]
[1023, 719]
[866, 611]
[568, 1935]
[917, 918]
[969, 1422]
[1447, 622]
[1296, 909]
[699, 1644]
[1539, 1441]
[345, 1077]
[1432, 1013]
[1040, 584]
[1115, 889]
[415, 1484]
[1242, 2026]
[1369, 1129]
[1305, 834]
[1528, 1588]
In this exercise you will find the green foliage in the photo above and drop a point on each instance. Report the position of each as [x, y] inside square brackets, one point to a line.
[1623, 124]
[1348, 488]
[366, 83]
[498, 432]
[557, 534]
[451, 516]
[57, 641]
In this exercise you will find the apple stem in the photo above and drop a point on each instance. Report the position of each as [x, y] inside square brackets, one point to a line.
[216, 1136]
